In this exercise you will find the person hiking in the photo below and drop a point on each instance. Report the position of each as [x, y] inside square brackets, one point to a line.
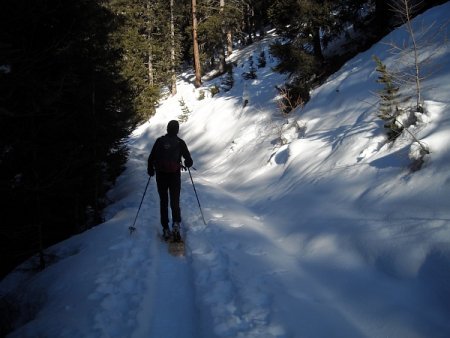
[165, 161]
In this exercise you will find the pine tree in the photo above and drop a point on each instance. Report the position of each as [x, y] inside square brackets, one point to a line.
[389, 100]
[303, 22]
[150, 58]
[65, 113]
[389, 94]
[219, 22]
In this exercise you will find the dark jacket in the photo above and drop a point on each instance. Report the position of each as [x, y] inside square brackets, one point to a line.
[166, 155]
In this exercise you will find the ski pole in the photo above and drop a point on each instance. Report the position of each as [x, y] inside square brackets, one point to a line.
[133, 228]
[196, 195]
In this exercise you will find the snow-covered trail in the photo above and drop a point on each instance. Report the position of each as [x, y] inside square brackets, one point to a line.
[206, 293]
[202, 294]
[212, 298]
[166, 306]
[229, 276]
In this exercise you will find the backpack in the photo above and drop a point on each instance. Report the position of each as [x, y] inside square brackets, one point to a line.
[169, 154]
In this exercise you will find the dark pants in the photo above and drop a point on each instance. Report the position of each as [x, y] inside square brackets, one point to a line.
[169, 184]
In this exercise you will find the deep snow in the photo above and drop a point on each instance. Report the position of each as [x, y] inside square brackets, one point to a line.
[326, 234]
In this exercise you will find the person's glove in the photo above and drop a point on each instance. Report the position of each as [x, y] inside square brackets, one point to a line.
[188, 163]
[151, 171]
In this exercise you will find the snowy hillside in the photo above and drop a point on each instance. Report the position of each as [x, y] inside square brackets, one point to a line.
[316, 227]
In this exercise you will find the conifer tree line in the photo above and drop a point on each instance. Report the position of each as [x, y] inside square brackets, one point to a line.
[160, 37]
[157, 38]
[77, 76]
[65, 110]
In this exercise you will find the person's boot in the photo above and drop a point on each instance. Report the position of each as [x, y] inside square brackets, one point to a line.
[176, 232]
[166, 233]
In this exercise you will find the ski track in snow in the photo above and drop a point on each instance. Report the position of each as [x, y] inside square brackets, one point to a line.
[144, 291]
[152, 285]
[239, 304]
[166, 303]
[117, 287]
[159, 289]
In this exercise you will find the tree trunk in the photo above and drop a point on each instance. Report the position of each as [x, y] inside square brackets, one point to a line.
[172, 50]
[197, 67]
[95, 206]
[317, 45]
[229, 42]
[222, 61]
[248, 24]
[383, 15]
[151, 80]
